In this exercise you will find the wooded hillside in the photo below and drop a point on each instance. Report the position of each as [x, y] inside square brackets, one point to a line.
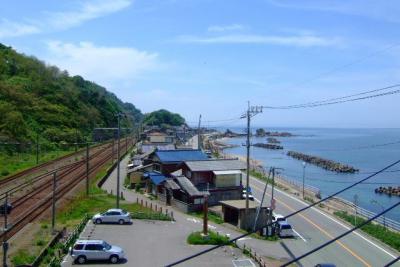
[40, 99]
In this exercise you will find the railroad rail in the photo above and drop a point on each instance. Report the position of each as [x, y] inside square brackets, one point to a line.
[40, 167]
[33, 204]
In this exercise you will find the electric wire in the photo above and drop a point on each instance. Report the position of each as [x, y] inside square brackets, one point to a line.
[339, 100]
[392, 262]
[288, 216]
[340, 236]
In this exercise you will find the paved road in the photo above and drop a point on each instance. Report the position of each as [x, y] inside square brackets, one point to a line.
[315, 227]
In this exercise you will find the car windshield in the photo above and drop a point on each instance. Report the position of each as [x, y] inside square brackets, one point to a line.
[107, 246]
[124, 212]
[286, 226]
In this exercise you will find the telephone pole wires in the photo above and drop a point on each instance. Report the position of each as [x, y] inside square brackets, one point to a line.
[251, 112]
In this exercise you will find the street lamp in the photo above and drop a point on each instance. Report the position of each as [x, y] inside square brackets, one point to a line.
[304, 175]
[373, 201]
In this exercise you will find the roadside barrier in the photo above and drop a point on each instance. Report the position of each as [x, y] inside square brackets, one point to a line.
[392, 224]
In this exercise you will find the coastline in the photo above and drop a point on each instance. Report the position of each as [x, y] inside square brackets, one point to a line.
[293, 187]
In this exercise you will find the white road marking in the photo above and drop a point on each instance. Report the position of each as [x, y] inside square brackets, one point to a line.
[244, 238]
[193, 220]
[332, 219]
[256, 199]
[299, 235]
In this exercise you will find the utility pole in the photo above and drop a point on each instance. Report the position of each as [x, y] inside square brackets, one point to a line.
[260, 207]
[251, 111]
[118, 155]
[5, 243]
[37, 148]
[304, 175]
[53, 204]
[87, 168]
[113, 145]
[205, 215]
[198, 135]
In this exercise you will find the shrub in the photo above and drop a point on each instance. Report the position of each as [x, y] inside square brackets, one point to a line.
[213, 238]
[378, 231]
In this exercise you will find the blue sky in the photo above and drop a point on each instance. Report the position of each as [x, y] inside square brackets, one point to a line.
[211, 57]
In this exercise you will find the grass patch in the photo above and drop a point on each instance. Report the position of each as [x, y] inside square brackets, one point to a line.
[17, 162]
[213, 238]
[388, 237]
[212, 216]
[22, 257]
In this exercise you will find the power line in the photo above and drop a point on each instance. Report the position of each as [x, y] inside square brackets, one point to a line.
[340, 100]
[341, 67]
[288, 216]
[392, 262]
[340, 236]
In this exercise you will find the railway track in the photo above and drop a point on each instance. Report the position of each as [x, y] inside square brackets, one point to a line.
[43, 168]
[33, 204]
[15, 186]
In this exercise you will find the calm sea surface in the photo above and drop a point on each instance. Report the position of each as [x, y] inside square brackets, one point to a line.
[360, 148]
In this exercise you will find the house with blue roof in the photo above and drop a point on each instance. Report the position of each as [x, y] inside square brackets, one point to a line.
[168, 161]
[154, 182]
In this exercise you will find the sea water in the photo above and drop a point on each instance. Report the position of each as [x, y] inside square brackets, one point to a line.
[363, 149]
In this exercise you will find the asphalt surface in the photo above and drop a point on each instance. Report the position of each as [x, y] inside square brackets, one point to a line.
[154, 243]
[314, 227]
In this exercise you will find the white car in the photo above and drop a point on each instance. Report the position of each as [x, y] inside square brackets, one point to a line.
[284, 229]
[85, 250]
[113, 216]
[251, 197]
[278, 218]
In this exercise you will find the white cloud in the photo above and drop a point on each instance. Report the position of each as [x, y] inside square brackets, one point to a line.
[222, 28]
[107, 66]
[293, 40]
[14, 29]
[382, 10]
[87, 11]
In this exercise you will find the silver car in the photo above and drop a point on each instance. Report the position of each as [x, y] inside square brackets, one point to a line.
[113, 216]
[85, 250]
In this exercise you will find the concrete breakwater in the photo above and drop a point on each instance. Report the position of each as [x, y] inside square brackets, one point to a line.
[268, 146]
[323, 163]
[273, 140]
[390, 191]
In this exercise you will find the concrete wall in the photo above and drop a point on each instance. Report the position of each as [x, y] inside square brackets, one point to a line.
[219, 195]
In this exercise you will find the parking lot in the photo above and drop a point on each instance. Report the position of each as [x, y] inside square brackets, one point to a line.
[154, 243]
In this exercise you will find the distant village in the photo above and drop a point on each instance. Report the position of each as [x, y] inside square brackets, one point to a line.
[173, 166]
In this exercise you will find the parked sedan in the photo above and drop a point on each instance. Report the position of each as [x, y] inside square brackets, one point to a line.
[85, 250]
[113, 216]
[5, 208]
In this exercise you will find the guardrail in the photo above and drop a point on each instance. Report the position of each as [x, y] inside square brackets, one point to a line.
[298, 184]
[56, 261]
[394, 225]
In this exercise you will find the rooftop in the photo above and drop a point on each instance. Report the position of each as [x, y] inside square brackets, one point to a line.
[240, 204]
[188, 187]
[215, 165]
[180, 155]
[155, 177]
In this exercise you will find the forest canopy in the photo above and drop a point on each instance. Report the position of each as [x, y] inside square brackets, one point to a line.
[163, 117]
[36, 99]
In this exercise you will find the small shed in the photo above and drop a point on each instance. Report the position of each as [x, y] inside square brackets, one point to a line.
[234, 212]
[154, 181]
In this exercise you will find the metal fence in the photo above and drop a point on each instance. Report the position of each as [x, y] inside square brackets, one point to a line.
[394, 225]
